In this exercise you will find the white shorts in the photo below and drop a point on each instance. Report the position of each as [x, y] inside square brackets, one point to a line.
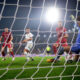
[29, 46]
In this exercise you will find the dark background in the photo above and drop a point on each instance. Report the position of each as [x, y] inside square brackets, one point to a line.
[19, 14]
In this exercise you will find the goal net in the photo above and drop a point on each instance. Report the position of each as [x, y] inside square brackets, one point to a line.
[17, 15]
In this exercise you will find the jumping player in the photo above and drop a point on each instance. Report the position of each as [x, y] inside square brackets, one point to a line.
[7, 36]
[29, 44]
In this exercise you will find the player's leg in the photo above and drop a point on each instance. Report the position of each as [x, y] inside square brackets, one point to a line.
[69, 53]
[2, 51]
[54, 49]
[76, 49]
[55, 45]
[11, 50]
[69, 56]
[12, 53]
[8, 53]
[27, 51]
[59, 53]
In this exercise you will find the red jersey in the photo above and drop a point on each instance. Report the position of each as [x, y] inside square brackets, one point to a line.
[61, 33]
[6, 36]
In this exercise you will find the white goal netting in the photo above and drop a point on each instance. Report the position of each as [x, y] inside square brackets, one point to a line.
[17, 15]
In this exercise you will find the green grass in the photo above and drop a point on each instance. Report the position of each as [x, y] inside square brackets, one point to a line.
[30, 68]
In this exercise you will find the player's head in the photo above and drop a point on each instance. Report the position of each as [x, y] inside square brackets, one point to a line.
[27, 30]
[78, 20]
[6, 29]
[59, 23]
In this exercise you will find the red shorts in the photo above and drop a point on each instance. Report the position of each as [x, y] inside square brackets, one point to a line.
[9, 45]
[63, 43]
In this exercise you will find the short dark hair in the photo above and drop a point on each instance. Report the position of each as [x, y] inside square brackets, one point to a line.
[78, 18]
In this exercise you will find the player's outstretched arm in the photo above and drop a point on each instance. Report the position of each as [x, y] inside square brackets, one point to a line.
[74, 20]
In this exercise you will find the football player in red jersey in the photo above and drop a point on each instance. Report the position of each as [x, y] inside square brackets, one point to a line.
[62, 37]
[7, 36]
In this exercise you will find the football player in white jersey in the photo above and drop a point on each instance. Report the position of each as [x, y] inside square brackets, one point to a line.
[29, 44]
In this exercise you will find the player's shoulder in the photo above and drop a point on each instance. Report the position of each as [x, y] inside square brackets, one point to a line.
[3, 33]
[30, 33]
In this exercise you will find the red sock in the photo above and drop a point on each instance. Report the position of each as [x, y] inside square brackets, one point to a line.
[3, 54]
[12, 53]
[54, 49]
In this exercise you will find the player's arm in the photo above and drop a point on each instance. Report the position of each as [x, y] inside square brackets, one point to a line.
[11, 38]
[74, 20]
[25, 40]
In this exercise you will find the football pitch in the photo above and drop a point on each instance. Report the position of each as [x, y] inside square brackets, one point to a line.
[38, 69]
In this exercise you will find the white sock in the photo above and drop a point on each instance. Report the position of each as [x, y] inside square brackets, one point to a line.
[66, 56]
[27, 55]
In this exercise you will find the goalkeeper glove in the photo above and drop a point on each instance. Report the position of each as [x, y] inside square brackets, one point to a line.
[72, 17]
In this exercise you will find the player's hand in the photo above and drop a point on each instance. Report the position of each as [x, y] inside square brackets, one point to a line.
[72, 17]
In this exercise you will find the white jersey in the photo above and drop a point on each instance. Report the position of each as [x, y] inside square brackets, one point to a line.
[28, 36]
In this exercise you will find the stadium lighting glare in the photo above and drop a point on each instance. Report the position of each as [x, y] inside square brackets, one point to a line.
[52, 15]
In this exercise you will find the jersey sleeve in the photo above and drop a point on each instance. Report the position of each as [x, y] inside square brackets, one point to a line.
[2, 34]
[31, 35]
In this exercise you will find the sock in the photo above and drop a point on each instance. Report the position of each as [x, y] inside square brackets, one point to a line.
[8, 54]
[54, 49]
[12, 53]
[60, 52]
[66, 56]
[27, 56]
[3, 54]
[69, 57]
